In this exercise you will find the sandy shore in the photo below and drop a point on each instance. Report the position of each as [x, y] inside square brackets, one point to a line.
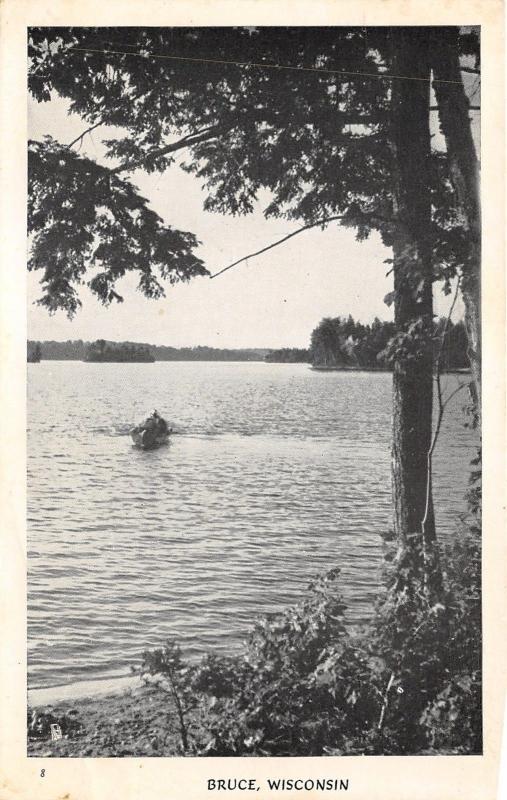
[134, 722]
[50, 695]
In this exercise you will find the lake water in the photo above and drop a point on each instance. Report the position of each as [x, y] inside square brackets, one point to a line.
[275, 473]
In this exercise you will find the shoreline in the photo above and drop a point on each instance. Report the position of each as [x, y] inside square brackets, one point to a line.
[316, 368]
[67, 692]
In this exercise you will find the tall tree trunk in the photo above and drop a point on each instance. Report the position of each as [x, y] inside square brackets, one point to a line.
[454, 118]
[413, 367]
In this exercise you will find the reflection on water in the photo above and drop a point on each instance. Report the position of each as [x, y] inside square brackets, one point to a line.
[275, 472]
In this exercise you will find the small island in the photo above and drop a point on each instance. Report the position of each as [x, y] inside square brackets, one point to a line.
[288, 355]
[102, 351]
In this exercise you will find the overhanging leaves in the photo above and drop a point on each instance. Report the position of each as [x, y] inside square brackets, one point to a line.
[83, 218]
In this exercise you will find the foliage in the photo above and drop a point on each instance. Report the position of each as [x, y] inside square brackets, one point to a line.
[344, 342]
[455, 346]
[277, 129]
[288, 355]
[113, 351]
[293, 692]
[453, 719]
[168, 664]
[39, 723]
[33, 352]
[431, 643]
[311, 143]
[350, 343]
[75, 350]
[81, 216]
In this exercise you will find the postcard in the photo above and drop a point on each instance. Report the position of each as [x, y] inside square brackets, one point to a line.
[253, 327]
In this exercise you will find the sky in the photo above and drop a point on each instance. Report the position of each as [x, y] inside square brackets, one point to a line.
[273, 300]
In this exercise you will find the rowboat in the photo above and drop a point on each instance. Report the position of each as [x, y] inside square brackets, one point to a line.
[148, 440]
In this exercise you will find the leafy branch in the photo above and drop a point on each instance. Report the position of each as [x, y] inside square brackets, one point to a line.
[197, 137]
[168, 665]
[190, 139]
[80, 216]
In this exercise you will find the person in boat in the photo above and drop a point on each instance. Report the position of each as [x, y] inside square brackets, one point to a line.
[162, 428]
[155, 424]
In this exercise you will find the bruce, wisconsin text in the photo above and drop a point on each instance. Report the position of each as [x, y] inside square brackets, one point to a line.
[279, 784]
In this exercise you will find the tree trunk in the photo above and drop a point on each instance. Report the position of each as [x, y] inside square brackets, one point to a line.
[413, 367]
[453, 108]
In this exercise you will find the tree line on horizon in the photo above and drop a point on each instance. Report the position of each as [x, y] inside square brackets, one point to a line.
[344, 342]
[33, 352]
[77, 350]
[335, 342]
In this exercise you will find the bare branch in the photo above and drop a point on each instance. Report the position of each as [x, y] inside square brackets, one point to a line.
[465, 385]
[275, 244]
[81, 137]
[446, 326]
[441, 408]
[385, 702]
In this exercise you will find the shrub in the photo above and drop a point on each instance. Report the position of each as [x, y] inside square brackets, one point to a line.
[174, 677]
[300, 687]
[307, 685]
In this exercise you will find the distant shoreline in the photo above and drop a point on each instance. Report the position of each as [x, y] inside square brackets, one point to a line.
[316, 368]
[319, 368]
[104, 351]
[312, 367]
[109, 352]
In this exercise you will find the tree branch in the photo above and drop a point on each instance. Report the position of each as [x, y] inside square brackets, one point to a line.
[275, 244]
[455, 391]
[204, 135]
[385, 702]
[441, 409]
[187, 141]
[88, 130]
[446, 326]
[470, 108]
[207, 134]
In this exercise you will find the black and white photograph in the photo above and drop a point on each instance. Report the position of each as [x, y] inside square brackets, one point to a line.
[254, 397]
